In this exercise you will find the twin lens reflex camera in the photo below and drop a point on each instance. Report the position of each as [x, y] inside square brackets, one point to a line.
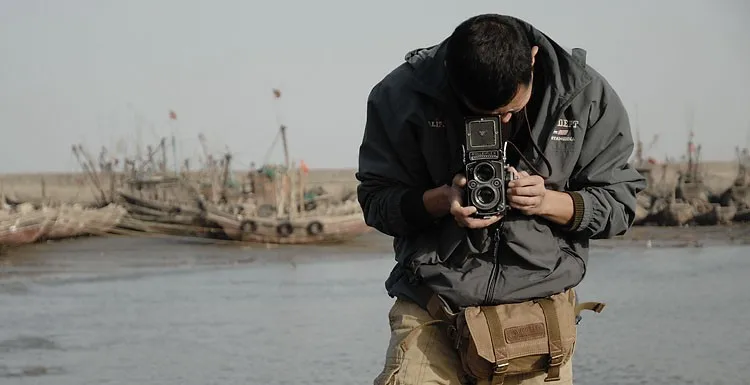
[487, 174]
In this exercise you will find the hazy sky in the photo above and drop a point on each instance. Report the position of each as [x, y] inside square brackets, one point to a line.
[93, 72]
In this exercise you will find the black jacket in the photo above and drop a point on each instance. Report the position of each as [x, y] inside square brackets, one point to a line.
[409, 146]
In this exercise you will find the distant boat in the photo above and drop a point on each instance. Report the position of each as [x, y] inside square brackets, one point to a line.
[300, 230]
[22, 228]
[295, 218]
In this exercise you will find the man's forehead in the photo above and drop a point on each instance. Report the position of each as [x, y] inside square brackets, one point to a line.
[516, 104]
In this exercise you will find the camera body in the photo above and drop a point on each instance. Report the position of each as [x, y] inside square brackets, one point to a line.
[487, 174]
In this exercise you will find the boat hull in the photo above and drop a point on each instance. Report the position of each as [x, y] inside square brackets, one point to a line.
[296, 231]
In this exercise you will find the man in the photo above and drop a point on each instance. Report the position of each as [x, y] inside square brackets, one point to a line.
[411, 185]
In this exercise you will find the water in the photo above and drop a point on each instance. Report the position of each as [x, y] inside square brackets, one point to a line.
[165, 312]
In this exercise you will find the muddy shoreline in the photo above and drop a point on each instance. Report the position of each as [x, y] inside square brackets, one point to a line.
[686, 236]
[123, 257]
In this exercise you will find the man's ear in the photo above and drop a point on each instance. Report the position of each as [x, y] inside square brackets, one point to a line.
[534, 51]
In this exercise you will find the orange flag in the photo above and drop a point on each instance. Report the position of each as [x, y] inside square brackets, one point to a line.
[303, 166]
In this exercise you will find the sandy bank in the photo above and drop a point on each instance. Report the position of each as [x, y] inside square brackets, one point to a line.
[74, 187]
[77, 188]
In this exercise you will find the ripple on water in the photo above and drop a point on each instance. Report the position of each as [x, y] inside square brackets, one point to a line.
[13, 288]
[27, 343]
[29, 371]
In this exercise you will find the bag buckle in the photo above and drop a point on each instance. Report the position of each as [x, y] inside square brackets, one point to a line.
[498, 373]
[500, 369]
[553, 373]
[556, 360]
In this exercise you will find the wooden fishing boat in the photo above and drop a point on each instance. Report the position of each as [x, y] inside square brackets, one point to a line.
[132, 225]
[104, 219]
[74, 221]
[156, 207]
[23, 228]
[169, 218]
[293, 218]
[301, 230]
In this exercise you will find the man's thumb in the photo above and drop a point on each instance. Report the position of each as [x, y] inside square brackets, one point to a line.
[459, 180]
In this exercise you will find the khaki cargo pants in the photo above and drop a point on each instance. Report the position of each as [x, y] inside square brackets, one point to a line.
[426, 357]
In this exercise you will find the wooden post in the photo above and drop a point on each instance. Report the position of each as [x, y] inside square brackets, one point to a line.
[301, 178]
[225, 176]
[290, 192]
[163, 148]
[279, 194]
[112, 181]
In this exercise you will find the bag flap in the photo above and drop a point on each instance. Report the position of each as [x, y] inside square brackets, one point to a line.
[524, 330]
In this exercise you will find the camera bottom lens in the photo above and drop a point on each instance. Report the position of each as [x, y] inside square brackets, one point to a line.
[486, 197]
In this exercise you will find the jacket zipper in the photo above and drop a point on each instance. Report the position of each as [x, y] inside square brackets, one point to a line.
[496, 236]
[495, 266]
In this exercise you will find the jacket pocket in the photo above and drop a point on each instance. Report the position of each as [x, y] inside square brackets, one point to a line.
[446, 241]
[532, 240]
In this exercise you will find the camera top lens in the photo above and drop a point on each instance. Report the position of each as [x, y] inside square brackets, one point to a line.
[484, 172]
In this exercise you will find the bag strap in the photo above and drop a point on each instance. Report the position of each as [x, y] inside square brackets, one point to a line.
[554, 337]
[498, 345]
[593, 306]
[439, 310]
[413, 333]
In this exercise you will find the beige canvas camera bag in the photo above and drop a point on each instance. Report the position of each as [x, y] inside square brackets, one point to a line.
[519, 338]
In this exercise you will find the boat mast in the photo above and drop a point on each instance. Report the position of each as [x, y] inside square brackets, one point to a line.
[286, 148]
[287, 182]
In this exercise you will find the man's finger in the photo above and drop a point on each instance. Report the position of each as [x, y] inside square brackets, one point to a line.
[458, 211]
[527, 191]
[512, 170]
[523, 201]
[455, 209]
[521, 207]
[459, 180]
[528, 180]
[474, 223]
[521, 182]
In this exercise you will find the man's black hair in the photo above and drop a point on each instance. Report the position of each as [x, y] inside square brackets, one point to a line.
[488, 57]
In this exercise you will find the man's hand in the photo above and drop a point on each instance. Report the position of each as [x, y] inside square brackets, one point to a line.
[461, 214]
[527, 193]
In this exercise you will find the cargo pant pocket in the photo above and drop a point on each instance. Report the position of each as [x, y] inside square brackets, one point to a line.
[418, 350]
